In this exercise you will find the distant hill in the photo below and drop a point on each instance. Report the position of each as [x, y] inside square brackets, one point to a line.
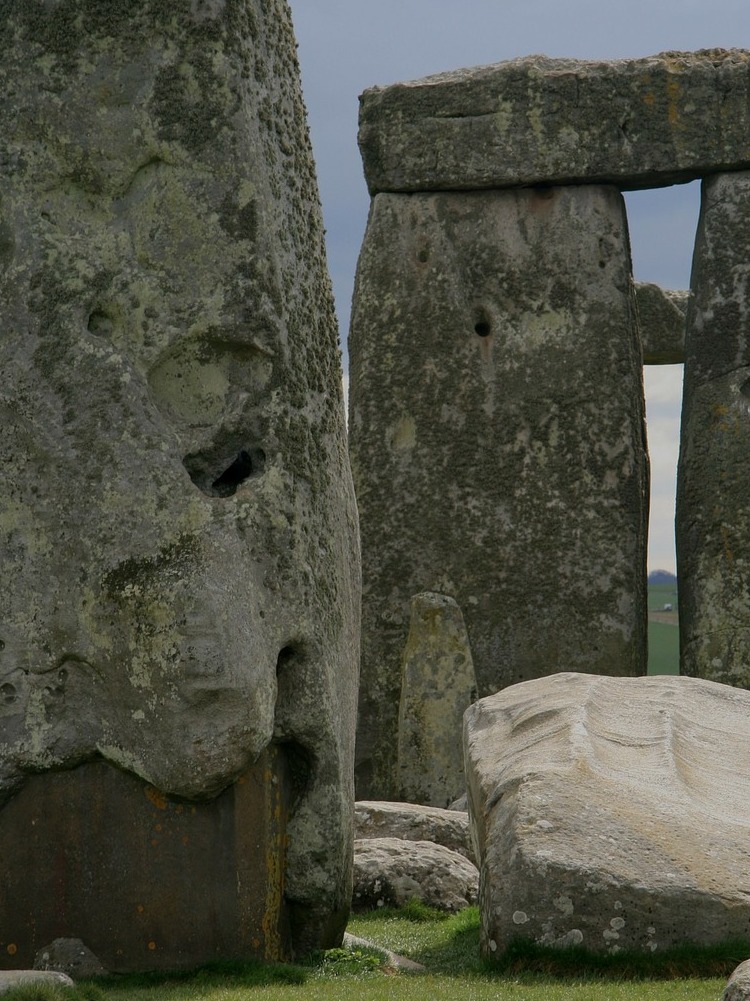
[661, 577]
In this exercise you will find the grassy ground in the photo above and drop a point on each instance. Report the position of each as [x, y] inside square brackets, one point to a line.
[663, 632]
[448, 947]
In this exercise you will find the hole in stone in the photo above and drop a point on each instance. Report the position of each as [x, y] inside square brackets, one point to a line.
[299, 767]
[99, 324]
[482, 328]
[8, 694]
[745, 389]
[217, 474]
[235, 474]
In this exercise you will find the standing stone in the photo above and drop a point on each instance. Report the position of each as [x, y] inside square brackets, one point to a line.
[177, 524]
[437, 686]
[713, 487]
[497, 440]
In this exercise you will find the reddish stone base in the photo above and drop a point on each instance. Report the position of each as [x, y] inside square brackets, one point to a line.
[146, 881]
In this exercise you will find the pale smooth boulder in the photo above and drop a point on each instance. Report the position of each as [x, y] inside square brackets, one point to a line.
[611, 813]
[497, 440]
[177, 523]
[636, 123]
[437, 685]
[11, 980]
[713, 486]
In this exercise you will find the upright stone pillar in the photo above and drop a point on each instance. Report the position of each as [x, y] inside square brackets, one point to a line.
[497, 439]
[179, 593]
[713, 485]
[438, 685]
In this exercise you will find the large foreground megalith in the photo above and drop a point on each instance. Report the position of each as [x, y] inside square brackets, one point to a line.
[713, 489]
[497, 439]
[179, 597]
[611, 813]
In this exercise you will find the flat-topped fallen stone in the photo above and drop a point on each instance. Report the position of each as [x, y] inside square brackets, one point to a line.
[410, 822]
[636, 123]
[612, 813]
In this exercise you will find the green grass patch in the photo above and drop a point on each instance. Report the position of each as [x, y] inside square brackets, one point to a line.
[681, 962]
[663, 648]
[448, 946]
[660, 595]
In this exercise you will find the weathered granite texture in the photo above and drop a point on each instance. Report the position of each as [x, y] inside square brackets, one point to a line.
[389, 872]
[437, 685]
[661, 318]
[635, 123]
[497, 440]
[738, 985]
[611, 812]
[411, 822]
[177, 524]
[713, 490]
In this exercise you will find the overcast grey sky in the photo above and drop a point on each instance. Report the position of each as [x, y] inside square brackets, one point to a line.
[346, 46]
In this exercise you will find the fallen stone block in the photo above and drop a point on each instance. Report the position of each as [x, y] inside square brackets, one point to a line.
[612, 813]
[635, 123]
[71, 956]
[738, 985]
[12, 979]
[410, 822]
[389, 872]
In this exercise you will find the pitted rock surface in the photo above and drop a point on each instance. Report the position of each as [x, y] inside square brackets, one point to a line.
[411, 822]
[661, 317]
[177, 523]
[713, 491]
[611, 812]
[388, 872]
[497, 439]
[635, 123]
[437, 685]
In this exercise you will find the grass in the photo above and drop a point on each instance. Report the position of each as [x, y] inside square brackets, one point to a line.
[448, 947]
[663, 634]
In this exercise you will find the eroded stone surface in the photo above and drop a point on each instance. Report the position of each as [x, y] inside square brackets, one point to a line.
[738, 986]
[13, 979]
[611, 812]
[177, 526]
[497, 440]
[437, 685]
[713, 495]
[636, 123]
[661, 315]
[70, 956]
[449, 828]
[388, 872]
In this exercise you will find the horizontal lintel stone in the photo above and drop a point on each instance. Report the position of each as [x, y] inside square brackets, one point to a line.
[636, 123]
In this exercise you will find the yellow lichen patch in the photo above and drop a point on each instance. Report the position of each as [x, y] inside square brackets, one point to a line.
[673, 98]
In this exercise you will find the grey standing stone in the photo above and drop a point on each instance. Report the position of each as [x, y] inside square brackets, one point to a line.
[497, 440]
[611, 813]
[437, 685]
[661, 316]
[177, 524]
[636, 123]
[713, 488]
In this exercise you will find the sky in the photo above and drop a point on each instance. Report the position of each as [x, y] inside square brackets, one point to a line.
[346, 46]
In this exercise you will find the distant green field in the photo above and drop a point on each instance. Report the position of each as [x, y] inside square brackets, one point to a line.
[663, 636]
